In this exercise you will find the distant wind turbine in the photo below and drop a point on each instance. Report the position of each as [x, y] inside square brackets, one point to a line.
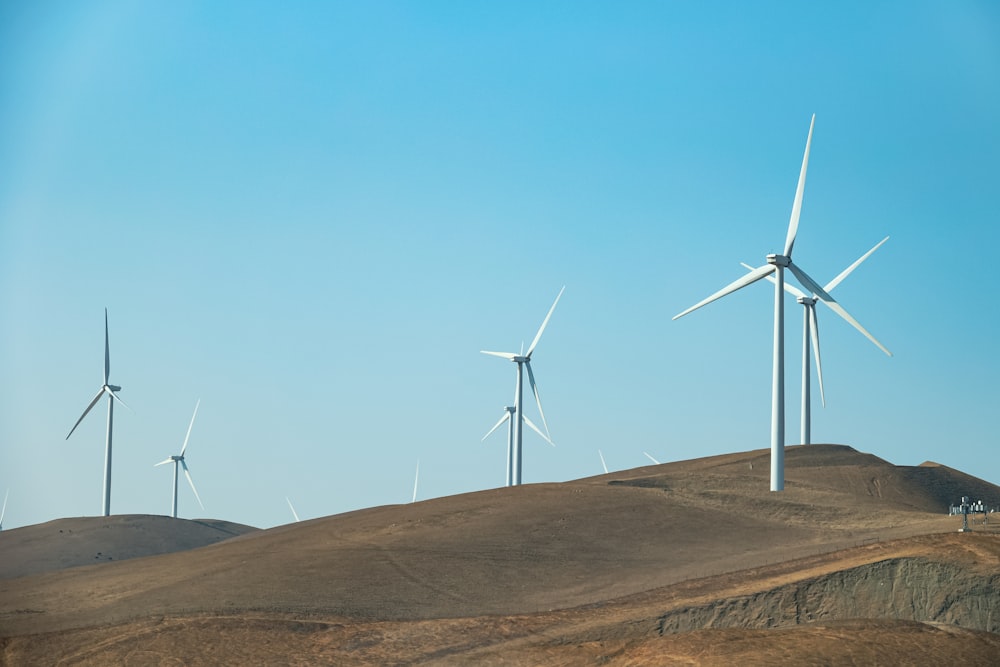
[179, 459]
[416, 478]
[776, 264]
[650, 457]
[294, 513]
[508, 417]
[810, 331]
[111, 391]
[4, 510]
[524, 362]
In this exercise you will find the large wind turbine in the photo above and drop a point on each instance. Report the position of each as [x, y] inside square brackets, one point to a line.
[810, 330]
[776, 264]
[179, 458]
[508, 417]
[111, 391]
[524, 362]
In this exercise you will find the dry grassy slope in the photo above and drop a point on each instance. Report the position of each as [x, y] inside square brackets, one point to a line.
[66, 543]
[627, 631]
[507, 551]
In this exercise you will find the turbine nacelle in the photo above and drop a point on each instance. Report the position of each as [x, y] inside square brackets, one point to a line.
[807, 300]
[112, 387]
[779, 260]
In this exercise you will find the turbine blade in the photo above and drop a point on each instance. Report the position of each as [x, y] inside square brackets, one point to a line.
[184, 446]
[545, 322]
[503, 355]
[187, 474]
[825, 297]
[3, 512]
[538, 401]
[294, 513]
[170, 460]
[793, 222]
[416, 478]
[751, 277]
[650, 457]
[846, 272]
[107, 349]
[506, 416]
[603, 464]
[538, 431]
[89, 407]
[115, 397]
[791, 289]
[814, 332]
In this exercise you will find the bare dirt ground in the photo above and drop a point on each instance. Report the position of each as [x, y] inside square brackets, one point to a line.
[615, 569]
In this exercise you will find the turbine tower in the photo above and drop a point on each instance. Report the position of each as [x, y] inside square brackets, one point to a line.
[111, 391]
[524, 363]
[776, 264]
[179, 459]
[810, 330]
[508, 417]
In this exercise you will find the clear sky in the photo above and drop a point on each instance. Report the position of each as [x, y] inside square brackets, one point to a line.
[313, 216]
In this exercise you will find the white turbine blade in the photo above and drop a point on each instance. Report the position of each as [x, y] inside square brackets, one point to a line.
[89, 407]
[538, 431]
[115, 397]
[825, 297]
[184, 446]
[650, 457]
[3, 512]
[793, 222]
[814, 332]
[545, 322]
[506, 416]
[187, 474]
[170, 460]
[791, 289]
[416, 478]
[504, 355]
[294, 513]
[749, 278]
[538, 401]
[846, 272]
[603, 464]
[107, 349]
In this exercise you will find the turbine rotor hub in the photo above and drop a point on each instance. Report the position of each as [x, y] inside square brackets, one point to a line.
[807, 300]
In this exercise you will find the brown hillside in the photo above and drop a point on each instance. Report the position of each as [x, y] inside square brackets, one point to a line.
[448, 572]
[66, 543]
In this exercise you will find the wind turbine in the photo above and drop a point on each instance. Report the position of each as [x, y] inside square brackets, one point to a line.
[776, 264]
[650, 457]
[179, 458]
[524, 362]
[111, 391]
[810, 330]
[416, 478]
[603, 464]
[508, 417]
[4, 510]
[294, 513]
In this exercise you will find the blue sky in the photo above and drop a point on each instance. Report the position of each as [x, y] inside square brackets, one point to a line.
[313, 218]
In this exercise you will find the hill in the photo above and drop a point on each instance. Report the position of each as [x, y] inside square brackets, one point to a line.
[587, 570]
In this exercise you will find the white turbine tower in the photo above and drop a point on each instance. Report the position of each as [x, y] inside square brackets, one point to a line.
[179, 459]
[810, 331]
[508, 417]
[111, 391]
[524, 362]
[776, 264]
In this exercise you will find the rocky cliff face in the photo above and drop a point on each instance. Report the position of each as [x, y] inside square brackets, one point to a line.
[915, 589]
